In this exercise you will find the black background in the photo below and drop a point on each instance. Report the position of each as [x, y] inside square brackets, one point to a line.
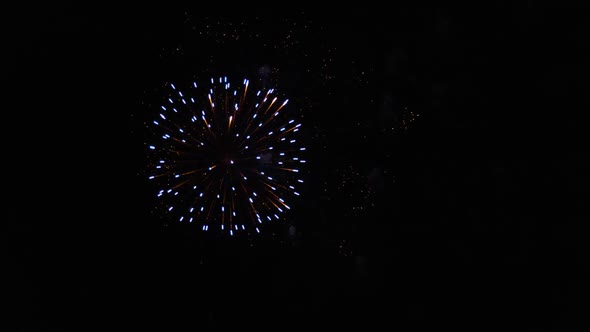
[477, 223]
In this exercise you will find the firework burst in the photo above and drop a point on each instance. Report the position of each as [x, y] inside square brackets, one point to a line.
[223, 157]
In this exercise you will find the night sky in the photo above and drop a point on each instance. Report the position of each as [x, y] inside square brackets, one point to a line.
[444, 180]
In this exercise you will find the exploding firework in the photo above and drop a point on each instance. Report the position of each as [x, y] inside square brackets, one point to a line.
[223, 157]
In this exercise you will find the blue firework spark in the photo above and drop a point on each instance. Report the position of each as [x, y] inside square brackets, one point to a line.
[225, 157]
